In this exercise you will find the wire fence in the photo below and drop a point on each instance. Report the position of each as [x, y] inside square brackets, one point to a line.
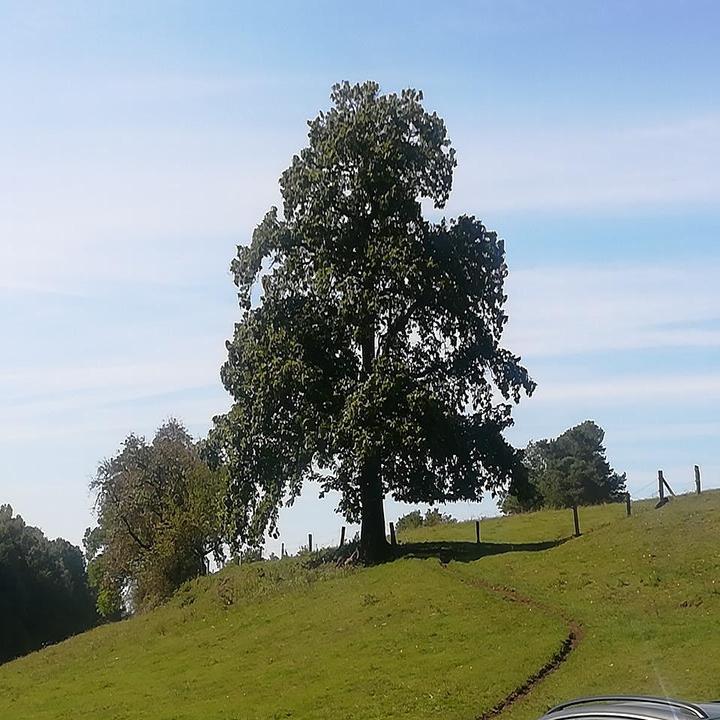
[650, 489]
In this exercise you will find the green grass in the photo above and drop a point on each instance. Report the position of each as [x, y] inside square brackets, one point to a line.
[540, 526]
[414, 638]
[406, 640]
[646, 590]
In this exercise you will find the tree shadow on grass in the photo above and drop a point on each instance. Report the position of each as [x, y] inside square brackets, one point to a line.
[468, 551]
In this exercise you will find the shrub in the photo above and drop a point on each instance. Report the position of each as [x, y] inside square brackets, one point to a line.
[434, 517]
[415, 519]
[408, 522]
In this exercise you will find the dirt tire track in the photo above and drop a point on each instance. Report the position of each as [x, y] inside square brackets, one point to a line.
[570, 642]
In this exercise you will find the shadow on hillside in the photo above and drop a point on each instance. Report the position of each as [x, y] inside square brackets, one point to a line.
[468, 551]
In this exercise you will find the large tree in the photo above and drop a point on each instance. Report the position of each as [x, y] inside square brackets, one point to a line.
[159, 511]
[569, 470]
[368, 354]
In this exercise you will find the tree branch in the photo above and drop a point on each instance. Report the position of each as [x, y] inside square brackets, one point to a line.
[396, 326]
[125, 522]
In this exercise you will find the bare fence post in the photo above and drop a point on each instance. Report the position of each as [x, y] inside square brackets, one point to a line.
[477, 531]
[310, 542]
[698, 490]
[342, 536]
[282, 550]
[393, 539]
[576, 520]
[628, 507]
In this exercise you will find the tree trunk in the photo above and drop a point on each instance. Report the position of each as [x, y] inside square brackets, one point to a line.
[373, 544]
[374, 547]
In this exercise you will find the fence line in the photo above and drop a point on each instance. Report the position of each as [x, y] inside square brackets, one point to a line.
[662, 484]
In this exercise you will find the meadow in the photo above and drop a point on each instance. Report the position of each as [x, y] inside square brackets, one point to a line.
[448, 630]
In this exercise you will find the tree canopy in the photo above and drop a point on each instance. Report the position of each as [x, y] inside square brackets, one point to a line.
[159, 511]
[567, 471]
[371, 362]
[44, 593]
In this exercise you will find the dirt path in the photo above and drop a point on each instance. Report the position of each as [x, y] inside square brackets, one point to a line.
[570, 642]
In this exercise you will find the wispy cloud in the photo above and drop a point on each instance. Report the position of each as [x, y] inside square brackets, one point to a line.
[17, 386]
[153, 209]
[588, 168]
[560, 311]
[623, 390]
[86, 200]
[78, 402]
[94, 420]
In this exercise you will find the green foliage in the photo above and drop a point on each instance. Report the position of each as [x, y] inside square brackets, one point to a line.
[568, 471]
[510, 504]
[372, 363]
[159, 517]
[415, 519]
[250, 555]
[411, 520]
[44, 592]
[434, 517]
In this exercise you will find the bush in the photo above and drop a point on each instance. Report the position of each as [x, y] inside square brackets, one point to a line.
[408, 522]
[415, 519]
[434, 517]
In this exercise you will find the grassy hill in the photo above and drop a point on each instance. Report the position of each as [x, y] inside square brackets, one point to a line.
[645, 591]
[448, 631]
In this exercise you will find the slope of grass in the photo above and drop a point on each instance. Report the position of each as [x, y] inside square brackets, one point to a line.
[415, 638]
[646, 590]
[541, 526]
[273, 640]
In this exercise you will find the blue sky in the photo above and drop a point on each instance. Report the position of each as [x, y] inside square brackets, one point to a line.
[139, 145]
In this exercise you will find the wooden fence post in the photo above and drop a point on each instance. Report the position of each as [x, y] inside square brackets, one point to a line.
[576, 520]
[393, 539]
[342, 536]
[628, 507]
[282, 550]
[477, 531]
[662, 485]
[310, 542]
[697, 480]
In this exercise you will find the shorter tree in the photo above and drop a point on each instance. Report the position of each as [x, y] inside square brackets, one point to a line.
[159, 509]
[567, 471]
[44, 592]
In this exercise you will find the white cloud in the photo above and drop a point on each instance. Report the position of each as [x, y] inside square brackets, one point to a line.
[44, 401]
[588, 168]
[159, 376]
[559, 311]
[621, 390]
[124, 195]
[669, 431]
[130, 206]
[93, 419]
